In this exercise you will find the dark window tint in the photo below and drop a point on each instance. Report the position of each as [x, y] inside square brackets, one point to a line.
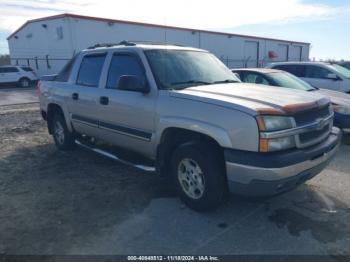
[9, 70]
[251, 77]
[121, 65]
[27, 69]
[297, 70]
[90, 70]
[316, 72]
[63, 76]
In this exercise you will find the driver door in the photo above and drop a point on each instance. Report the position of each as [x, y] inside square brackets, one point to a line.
[127, 118]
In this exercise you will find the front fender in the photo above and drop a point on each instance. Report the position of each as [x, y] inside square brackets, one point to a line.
[215, 132]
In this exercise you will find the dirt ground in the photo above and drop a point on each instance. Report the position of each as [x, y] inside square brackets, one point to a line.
[51, 195]
[78, 202]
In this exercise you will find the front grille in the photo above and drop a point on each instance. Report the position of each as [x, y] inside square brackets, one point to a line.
[313, 135]
[311, 115]
[307, 117]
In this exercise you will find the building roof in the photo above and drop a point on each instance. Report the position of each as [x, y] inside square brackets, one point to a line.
[145, 24]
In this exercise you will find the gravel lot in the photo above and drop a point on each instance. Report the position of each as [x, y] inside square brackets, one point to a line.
[80, 203]
[10, 96]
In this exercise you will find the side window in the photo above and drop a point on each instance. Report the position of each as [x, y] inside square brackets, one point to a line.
[297, 70]
[90, 70]
[123, 64]
[255, 78]
[1, 70]
[27, 69]
[10, 70]
[317, 72]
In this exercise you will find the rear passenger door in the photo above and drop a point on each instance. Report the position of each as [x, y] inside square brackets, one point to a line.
[127, 117]
[84, 94]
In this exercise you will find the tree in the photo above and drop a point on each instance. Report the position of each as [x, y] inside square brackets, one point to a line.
[5, 60]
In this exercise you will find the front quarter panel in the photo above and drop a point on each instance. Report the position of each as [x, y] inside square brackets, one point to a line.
[228, 127]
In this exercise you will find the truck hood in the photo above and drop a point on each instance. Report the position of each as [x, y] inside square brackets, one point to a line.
[336, 97]
[254, 99]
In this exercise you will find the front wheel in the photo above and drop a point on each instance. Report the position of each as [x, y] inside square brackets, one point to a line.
[199, 176]
[64, 139]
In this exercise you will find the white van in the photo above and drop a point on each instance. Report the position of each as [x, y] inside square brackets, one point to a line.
[318, 74]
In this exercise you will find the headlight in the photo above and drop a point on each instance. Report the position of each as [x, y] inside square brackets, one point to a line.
[275, 123]
[341, 109]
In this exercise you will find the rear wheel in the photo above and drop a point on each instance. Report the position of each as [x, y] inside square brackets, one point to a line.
[24, 82]
[199, 176]
[64, 139]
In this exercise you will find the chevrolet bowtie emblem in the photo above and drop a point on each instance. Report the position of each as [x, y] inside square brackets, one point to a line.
[321, 123]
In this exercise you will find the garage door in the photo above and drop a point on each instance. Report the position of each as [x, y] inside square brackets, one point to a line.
[282, 52]
[251, 54]
[295, 53]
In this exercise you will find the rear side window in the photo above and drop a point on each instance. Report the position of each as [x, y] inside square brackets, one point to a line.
[27, 69]
[10, 70]
[297, 70]
[90, 70]
[317, 72]
[123, 64]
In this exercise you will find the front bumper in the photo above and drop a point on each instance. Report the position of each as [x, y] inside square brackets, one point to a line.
[263, 174]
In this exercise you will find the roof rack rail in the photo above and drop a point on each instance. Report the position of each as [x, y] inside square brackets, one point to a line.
[130, 43]
[101, 45]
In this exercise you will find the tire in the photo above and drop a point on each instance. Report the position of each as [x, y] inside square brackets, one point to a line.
[24, 82]
[199, 176]
[64, 139]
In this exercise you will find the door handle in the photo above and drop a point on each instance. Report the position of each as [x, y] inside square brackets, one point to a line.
[75, 96]
[104, 100]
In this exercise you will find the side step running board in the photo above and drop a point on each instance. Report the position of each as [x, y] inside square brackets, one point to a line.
[115, 157]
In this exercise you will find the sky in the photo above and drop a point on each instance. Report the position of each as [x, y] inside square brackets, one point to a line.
[323, 23]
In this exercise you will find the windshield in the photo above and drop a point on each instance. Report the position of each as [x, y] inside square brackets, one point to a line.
[178, 69]
[341, 70]
[290, 81]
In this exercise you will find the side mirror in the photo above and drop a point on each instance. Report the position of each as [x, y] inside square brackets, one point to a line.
[333, 77]
[133, 83]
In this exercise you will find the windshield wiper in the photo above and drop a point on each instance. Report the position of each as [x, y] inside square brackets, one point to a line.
[313, 88]
[191, 83]
[225, 81]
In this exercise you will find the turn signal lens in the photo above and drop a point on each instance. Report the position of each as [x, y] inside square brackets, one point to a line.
[263, 145]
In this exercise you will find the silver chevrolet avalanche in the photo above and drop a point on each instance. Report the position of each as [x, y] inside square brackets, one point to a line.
[180, 112]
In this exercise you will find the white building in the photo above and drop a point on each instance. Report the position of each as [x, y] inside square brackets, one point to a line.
[47, 43]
